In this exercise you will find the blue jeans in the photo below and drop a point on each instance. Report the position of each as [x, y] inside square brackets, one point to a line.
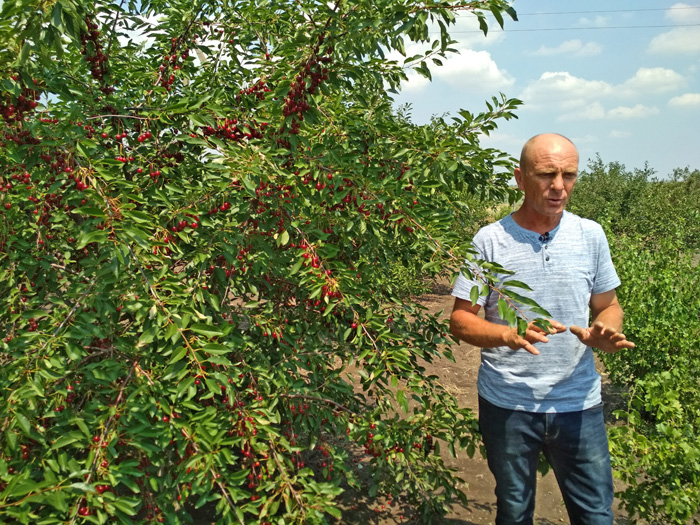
[576, 445]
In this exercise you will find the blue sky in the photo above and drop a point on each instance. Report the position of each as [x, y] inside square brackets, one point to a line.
[584, 69]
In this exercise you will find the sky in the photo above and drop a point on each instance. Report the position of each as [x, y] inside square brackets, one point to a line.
[621, 79]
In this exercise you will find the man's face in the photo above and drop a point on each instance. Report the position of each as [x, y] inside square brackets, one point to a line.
[548, 175]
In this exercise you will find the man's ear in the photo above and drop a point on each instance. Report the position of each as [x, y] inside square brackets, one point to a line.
[518, 174]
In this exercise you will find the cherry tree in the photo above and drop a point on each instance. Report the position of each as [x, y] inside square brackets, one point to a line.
[203, 209]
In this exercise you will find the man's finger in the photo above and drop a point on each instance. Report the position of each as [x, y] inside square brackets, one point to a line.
[598, 328]
[530, 348]
[538, 336]
[625, 344]
[578, 331]
[557, 326]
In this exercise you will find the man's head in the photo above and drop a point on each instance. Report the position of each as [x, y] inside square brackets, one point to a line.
[547, 175]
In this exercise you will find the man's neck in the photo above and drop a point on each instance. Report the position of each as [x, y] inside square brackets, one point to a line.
[535, 222]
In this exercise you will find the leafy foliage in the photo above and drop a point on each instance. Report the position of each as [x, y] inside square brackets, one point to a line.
[198, 207]
[653, 229]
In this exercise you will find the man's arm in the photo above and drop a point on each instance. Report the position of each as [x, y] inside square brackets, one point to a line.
[605, 332]
[468, 327]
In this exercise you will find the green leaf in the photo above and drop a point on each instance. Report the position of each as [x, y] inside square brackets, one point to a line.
[138, 216]
[128, 507]
[512, 283]
[23, 423]
[214, 348]
[297, 266]
[34, 314]
[177, 355]
[206, 330]
[67, 439]
[137, 235]
[474, 295]
[97, 236]
[90, 211]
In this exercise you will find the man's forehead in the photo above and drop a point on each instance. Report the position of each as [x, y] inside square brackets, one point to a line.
[547, 154]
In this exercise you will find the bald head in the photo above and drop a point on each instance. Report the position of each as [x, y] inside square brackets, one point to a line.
[547, 142]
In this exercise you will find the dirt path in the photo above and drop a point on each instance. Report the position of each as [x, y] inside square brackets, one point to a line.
[460, 379]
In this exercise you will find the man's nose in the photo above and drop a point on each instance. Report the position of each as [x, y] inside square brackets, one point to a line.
[558, 182]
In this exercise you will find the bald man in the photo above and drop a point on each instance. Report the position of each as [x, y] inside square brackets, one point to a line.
[539, 391]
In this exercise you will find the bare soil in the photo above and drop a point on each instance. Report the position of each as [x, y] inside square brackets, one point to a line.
[460, 379]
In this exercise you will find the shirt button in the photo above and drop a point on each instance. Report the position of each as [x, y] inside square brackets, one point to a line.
[547, 258]
[546, 247]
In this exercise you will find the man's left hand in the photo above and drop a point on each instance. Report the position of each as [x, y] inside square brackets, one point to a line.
[602, 337]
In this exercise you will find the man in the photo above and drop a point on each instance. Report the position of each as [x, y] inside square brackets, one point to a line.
[540, 391]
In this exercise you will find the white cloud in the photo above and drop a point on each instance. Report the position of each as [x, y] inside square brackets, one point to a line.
[474, 70]
[684, 13]
[687, 100]
[578, 98]
[571, 47]
[682, 40]
[563, 90]
[593, 111]
[638, 111]
[585, 139]
[618, 134]
[596, 111]
[598, 21]
[468, 69]
[652, 80]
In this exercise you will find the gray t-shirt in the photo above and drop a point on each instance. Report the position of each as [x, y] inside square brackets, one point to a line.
[563, 272]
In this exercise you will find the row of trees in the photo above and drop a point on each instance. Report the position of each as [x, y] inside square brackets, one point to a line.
[654, 230]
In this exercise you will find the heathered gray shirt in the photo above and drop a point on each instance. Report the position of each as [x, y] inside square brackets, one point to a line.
[563, 272]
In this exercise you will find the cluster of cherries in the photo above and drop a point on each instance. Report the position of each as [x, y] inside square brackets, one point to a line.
[56, 161]
[232, 129]
[92, 51]
[257, 91]
[295, 104]
[166, 79]
[15, 110]
[181, 225]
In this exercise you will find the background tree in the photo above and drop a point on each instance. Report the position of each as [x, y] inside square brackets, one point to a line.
[200, 201]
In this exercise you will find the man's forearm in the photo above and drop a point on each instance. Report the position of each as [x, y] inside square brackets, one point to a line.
[611, 317]
[476, 331]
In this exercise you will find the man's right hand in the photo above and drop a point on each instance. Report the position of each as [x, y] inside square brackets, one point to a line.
[533, 334]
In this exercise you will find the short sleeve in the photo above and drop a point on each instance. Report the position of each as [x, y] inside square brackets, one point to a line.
[606, 277]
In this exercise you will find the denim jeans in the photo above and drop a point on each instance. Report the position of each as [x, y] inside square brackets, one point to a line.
[576, 445]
